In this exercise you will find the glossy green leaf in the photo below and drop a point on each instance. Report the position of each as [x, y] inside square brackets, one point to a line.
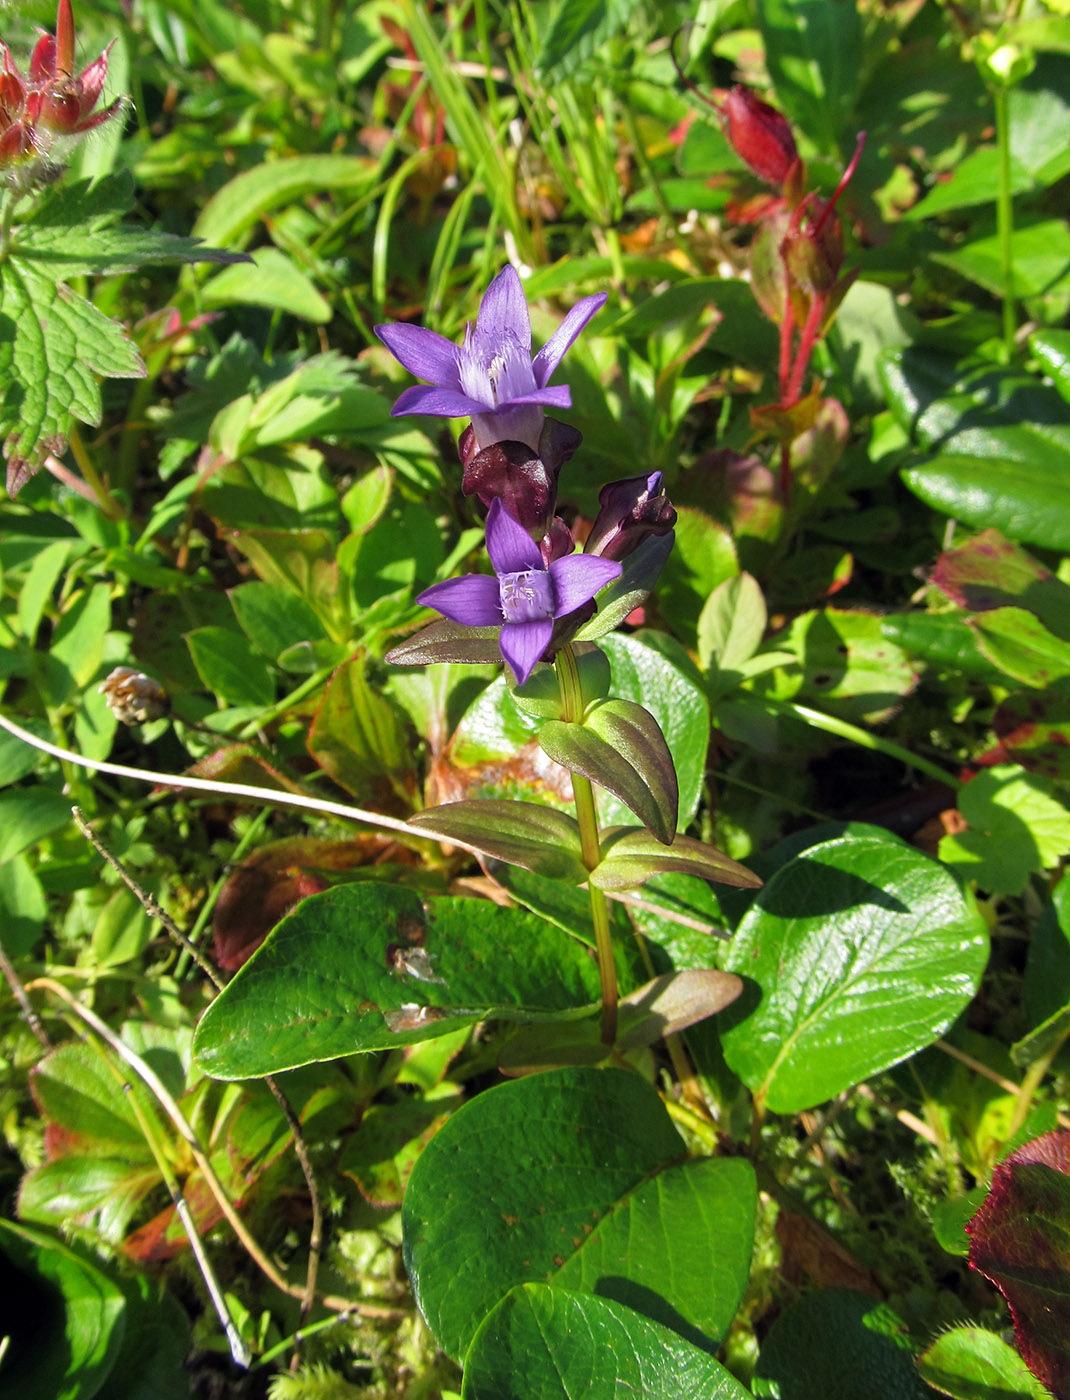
[730, 630]
[548, 1342]
[1040, 249]
[64, 1317]
[229, 214]
[969, 1363]
[1052, 349]
[859, 952]
[274, 618]
[28, 814]
[1047, 967]
[944, 641]
[620, 747]
[839, 1345]
[631, 857]
[813, 50]
[362, 967]
[23, 907]
[640, 573]
[704, 556]
[847, 663]
[1016, 825]
[575, 1175]
[520, 833]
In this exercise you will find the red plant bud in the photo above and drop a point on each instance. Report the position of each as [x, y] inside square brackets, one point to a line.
[64, 39]
[631, 511]
[760, 135]
[813, 247]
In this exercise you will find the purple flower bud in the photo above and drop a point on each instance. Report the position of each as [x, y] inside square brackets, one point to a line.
[631, 510]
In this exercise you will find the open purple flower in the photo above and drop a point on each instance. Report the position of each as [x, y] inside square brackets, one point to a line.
[492, 377]
[523, 597]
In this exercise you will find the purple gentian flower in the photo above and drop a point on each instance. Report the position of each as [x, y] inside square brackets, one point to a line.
[523, 597]
[491, 377]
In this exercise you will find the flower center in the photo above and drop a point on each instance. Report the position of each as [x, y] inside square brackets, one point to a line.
[497, 372]
[527, 596]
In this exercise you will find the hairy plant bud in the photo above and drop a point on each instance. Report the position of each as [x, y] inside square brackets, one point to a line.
[133, 697]
[759, 135]
[813, 247]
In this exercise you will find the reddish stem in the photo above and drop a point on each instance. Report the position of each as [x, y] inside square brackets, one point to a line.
[844, 179]
[787, 325]
[806, 348]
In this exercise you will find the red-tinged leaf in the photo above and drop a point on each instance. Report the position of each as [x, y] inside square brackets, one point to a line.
[1033, 727]
[267, 885]
[1020, 1240]
[164, 1236]
[520, 833]
[243, 763]
[990, 572]
[632, 857]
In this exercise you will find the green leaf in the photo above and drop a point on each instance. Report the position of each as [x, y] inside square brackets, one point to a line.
[969, 1363]
[229, 215]
[73, 230]
[640, 573]
[620, 747]
[579, 27]
[357, 736]
[944, 641]
[1040, 251]
[1001, 443]
[23, 908]
[594, 1195]
[547, 1342]
[55, 346]
[813, 50]
[520, 833]
[273, 280]
[27, 815]
[362, 967]
[862, 951]
[229, 667]
[1044, 1040]
[1047, 966]
[704, 557]
[839, 1345]
[1018, 644]
[274, 618]
[1016, 825]
[631, 857]
[64, 1317]
[730, 630]
[847, 663]
[1052, 349]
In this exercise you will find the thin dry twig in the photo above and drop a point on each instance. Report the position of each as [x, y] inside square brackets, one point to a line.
[155, 911]
[19, 992]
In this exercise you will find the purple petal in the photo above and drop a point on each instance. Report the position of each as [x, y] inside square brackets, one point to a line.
[511, 548]
[424, 353]
[556, 396]
[503, 312]
[576, 581]
[435, 403]
[553, 352]
[473, 599]
[522, 645]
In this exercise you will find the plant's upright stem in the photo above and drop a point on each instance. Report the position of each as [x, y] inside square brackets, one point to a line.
[1005, 217]
[568, 679]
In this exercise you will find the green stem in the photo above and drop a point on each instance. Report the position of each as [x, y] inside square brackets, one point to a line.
[307, 687]
[864, 739]
[8, 200]
[107, 502]
[1005, 218]
[568, 679]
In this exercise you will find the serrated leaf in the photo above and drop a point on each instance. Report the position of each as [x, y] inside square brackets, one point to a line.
[56, 344]
[1018, 1240]
[578, 28]
[363, 967]
[620, 746]
[630, 858]
[548, 1342]
[859, 952]
[73, 231]
[969, 1363]
[596, 1198]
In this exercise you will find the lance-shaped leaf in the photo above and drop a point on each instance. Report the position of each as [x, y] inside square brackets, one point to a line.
[363, 967]
[620, 746]
[448, 641]
[630, 857]
[1020, 1239]
[631, 590]
[519, 833]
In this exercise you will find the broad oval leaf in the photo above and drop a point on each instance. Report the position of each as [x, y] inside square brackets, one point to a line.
[620, 746]
[362, 967]
[575, 1175]
[548, 1342]
[972, 1364]
[860, 952]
